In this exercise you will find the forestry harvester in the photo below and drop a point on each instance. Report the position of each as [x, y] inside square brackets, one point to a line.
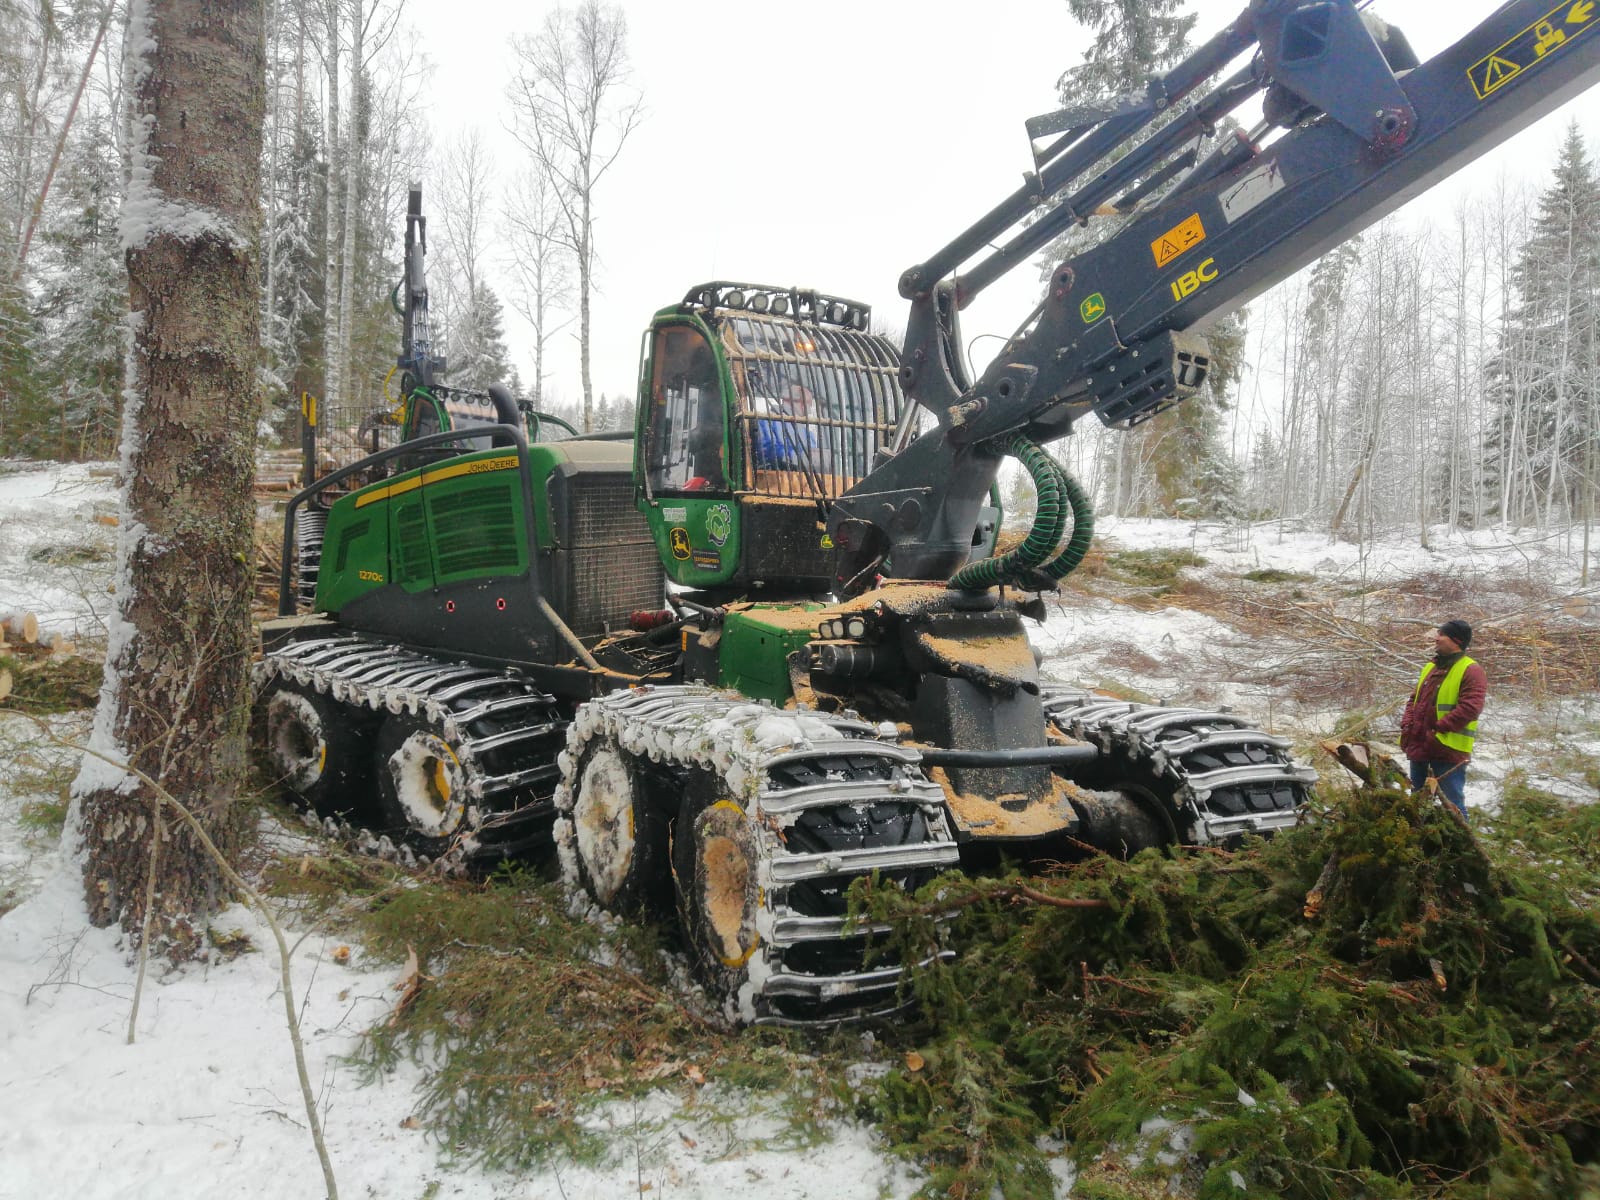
[761, 645]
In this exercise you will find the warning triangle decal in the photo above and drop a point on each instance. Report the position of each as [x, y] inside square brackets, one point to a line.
[1496, 70]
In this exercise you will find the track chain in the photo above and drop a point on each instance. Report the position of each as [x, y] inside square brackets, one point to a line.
[829, 799]
[1226, 777]
[505, 732]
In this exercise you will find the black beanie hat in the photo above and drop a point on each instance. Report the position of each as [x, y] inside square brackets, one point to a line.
[1458, 632]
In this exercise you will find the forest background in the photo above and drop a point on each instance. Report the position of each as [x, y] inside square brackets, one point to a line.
[1442, 369]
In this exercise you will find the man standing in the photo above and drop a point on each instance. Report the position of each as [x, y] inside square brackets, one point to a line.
[1441, 718]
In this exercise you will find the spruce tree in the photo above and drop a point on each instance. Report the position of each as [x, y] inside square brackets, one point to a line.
[478, 355]
[82, 298]
[1544, 376]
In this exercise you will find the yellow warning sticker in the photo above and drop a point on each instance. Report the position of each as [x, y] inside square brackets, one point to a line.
[1185, 235]
[1557, 28]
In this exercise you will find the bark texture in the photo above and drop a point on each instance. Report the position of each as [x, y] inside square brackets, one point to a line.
[175, 704]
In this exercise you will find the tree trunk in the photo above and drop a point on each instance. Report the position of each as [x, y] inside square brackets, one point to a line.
[331, 366]
[585, 262]
[174, 698]
[355, 139]
[61, 141]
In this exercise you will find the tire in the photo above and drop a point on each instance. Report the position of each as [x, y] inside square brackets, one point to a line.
[715, 857]
[317, 749]
[1143, 814]
[1154, 757]
[618, 839]
[422, 786]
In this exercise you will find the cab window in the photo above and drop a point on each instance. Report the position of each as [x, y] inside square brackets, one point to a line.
[687, 433]
[424, 416]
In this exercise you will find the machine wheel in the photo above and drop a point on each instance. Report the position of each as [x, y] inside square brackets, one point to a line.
[422, 792]
[775, 814]
[716, 858]
[616, 838]
[1133, 811]
[1181, 774]
[319, 750]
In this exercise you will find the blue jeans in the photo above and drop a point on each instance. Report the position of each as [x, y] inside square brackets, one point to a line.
[1452, 779]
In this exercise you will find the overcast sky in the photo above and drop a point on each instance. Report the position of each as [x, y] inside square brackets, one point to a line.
[829, 144]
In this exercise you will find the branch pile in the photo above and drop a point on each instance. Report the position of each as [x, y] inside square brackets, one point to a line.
[1380, 1003]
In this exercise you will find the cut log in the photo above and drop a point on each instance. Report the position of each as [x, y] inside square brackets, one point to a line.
[5, 684]
[1371, 764]
[24, 627]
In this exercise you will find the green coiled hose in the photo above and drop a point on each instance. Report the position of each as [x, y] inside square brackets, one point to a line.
[1038, 554]
[1082, 526]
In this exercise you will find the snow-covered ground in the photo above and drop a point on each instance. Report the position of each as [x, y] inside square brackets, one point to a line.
[1289, 546]
[57, 540]
[205, 1101]
[1168, 654]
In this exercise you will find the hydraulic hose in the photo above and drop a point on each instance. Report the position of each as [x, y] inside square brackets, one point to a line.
[1077, 546]
[1038, 555]
[1049, 519]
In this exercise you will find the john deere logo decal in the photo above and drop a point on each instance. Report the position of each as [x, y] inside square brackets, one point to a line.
[678, 539]
[719, 523]
[1092, 308]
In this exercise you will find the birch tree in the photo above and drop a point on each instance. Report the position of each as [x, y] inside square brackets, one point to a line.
[174, 701]
[334, 182]
[538, 264]
[573, 112]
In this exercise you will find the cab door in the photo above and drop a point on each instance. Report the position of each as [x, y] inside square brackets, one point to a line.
[686, 489]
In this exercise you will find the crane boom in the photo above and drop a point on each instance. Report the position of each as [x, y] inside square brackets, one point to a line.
[1368, 128]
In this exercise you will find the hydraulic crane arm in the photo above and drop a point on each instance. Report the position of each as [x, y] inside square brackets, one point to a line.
[1367, 128]
[410, 299]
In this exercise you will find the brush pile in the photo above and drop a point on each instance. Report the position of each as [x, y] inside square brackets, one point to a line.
[1380, 1003]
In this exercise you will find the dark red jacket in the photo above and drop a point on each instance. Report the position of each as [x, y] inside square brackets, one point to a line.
[1418, 723]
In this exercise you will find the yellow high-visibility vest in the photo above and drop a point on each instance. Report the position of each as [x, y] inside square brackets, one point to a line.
[1449, 694]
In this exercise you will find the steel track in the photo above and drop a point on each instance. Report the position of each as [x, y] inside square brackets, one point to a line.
[505, 732]
[822, 795]
[1222, 777]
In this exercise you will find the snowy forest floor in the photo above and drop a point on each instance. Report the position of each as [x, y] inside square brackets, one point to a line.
[1309, 637]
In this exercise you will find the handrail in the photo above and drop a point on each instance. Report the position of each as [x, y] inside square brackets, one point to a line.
[286, 596]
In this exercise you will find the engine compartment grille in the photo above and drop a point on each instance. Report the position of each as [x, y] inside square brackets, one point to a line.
[612, 565]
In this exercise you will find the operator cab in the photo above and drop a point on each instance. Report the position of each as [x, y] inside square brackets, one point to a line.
[436, 408]
[762, 406]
